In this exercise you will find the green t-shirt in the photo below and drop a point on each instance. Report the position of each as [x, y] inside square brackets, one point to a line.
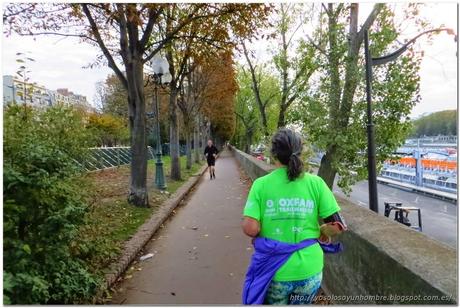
[288, 211]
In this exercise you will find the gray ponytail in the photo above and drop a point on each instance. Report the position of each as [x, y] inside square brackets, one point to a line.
[287, 148]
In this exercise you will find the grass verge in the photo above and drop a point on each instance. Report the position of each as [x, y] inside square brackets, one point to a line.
[111, 220]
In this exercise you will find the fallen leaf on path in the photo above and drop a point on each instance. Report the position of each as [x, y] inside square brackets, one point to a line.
[206, 235]
[128, 276]
[227, 236]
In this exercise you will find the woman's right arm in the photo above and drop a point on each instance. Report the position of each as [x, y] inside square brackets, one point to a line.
[251, 212]
[251, 226]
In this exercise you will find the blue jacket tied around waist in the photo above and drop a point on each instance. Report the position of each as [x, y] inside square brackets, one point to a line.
[268, 257]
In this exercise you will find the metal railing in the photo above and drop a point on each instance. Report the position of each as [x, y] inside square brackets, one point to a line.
[109, 157]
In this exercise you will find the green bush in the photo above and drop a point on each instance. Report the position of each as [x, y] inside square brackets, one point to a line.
[44, 206]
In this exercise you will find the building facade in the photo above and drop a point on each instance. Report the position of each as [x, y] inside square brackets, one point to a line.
[16, 91]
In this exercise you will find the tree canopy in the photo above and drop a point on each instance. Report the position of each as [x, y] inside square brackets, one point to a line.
[219, 95]
[327, 101]
[129, 36]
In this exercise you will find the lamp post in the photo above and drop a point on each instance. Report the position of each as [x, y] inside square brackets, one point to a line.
[161, 78]
[372, 169]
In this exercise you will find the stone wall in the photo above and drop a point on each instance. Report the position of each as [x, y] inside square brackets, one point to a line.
[383, 262]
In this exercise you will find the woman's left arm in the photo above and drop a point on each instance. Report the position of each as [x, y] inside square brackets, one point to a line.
[333, 225]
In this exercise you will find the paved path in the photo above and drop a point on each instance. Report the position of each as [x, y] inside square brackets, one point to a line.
[202, 266]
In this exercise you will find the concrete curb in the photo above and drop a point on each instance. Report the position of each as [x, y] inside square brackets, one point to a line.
[145, 232]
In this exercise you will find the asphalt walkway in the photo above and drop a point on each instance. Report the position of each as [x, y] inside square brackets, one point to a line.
[201, 254]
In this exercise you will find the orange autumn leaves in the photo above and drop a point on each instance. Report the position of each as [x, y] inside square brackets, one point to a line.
[219, 95]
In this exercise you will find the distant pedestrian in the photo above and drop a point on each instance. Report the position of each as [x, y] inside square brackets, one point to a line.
[211, 153]
[281, 215]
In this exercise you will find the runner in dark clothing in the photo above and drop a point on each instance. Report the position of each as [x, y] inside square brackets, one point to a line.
[211, 153]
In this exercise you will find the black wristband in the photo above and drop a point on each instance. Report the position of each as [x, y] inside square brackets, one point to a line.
[336, 217]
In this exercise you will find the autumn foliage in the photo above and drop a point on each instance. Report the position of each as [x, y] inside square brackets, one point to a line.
[108, 130]
[219, 97]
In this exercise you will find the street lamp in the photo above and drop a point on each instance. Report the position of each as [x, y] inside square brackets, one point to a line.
[161, 77]
[372, 172]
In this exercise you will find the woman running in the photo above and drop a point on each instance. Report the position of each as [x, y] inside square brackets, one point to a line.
[281, 215]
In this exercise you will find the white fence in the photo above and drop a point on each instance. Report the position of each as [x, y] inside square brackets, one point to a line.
[109, 157]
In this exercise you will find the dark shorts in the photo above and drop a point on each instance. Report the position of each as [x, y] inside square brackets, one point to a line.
[211, 162]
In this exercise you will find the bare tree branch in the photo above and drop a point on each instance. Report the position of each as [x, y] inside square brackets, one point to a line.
[104, 49]
[60, 34]
[11, 13]
[172, 33]
[312, 42]
[123, 32]
[153, 17]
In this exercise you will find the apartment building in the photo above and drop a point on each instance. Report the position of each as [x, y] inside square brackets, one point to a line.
[16, 91]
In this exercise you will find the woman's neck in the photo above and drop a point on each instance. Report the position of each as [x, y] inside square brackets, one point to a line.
[278, 164]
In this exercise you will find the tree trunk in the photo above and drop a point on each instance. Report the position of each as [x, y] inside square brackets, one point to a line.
[138, 182]
[263, 115]
[204, 137]
[284, 70]
[341, 99]
[196, 142]
[248, 142]
[174, 150]
[256, 90]
[188, 140]
[281, 117]
[326, 170]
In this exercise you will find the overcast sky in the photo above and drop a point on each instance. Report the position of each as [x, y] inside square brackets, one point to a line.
[59, 62]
